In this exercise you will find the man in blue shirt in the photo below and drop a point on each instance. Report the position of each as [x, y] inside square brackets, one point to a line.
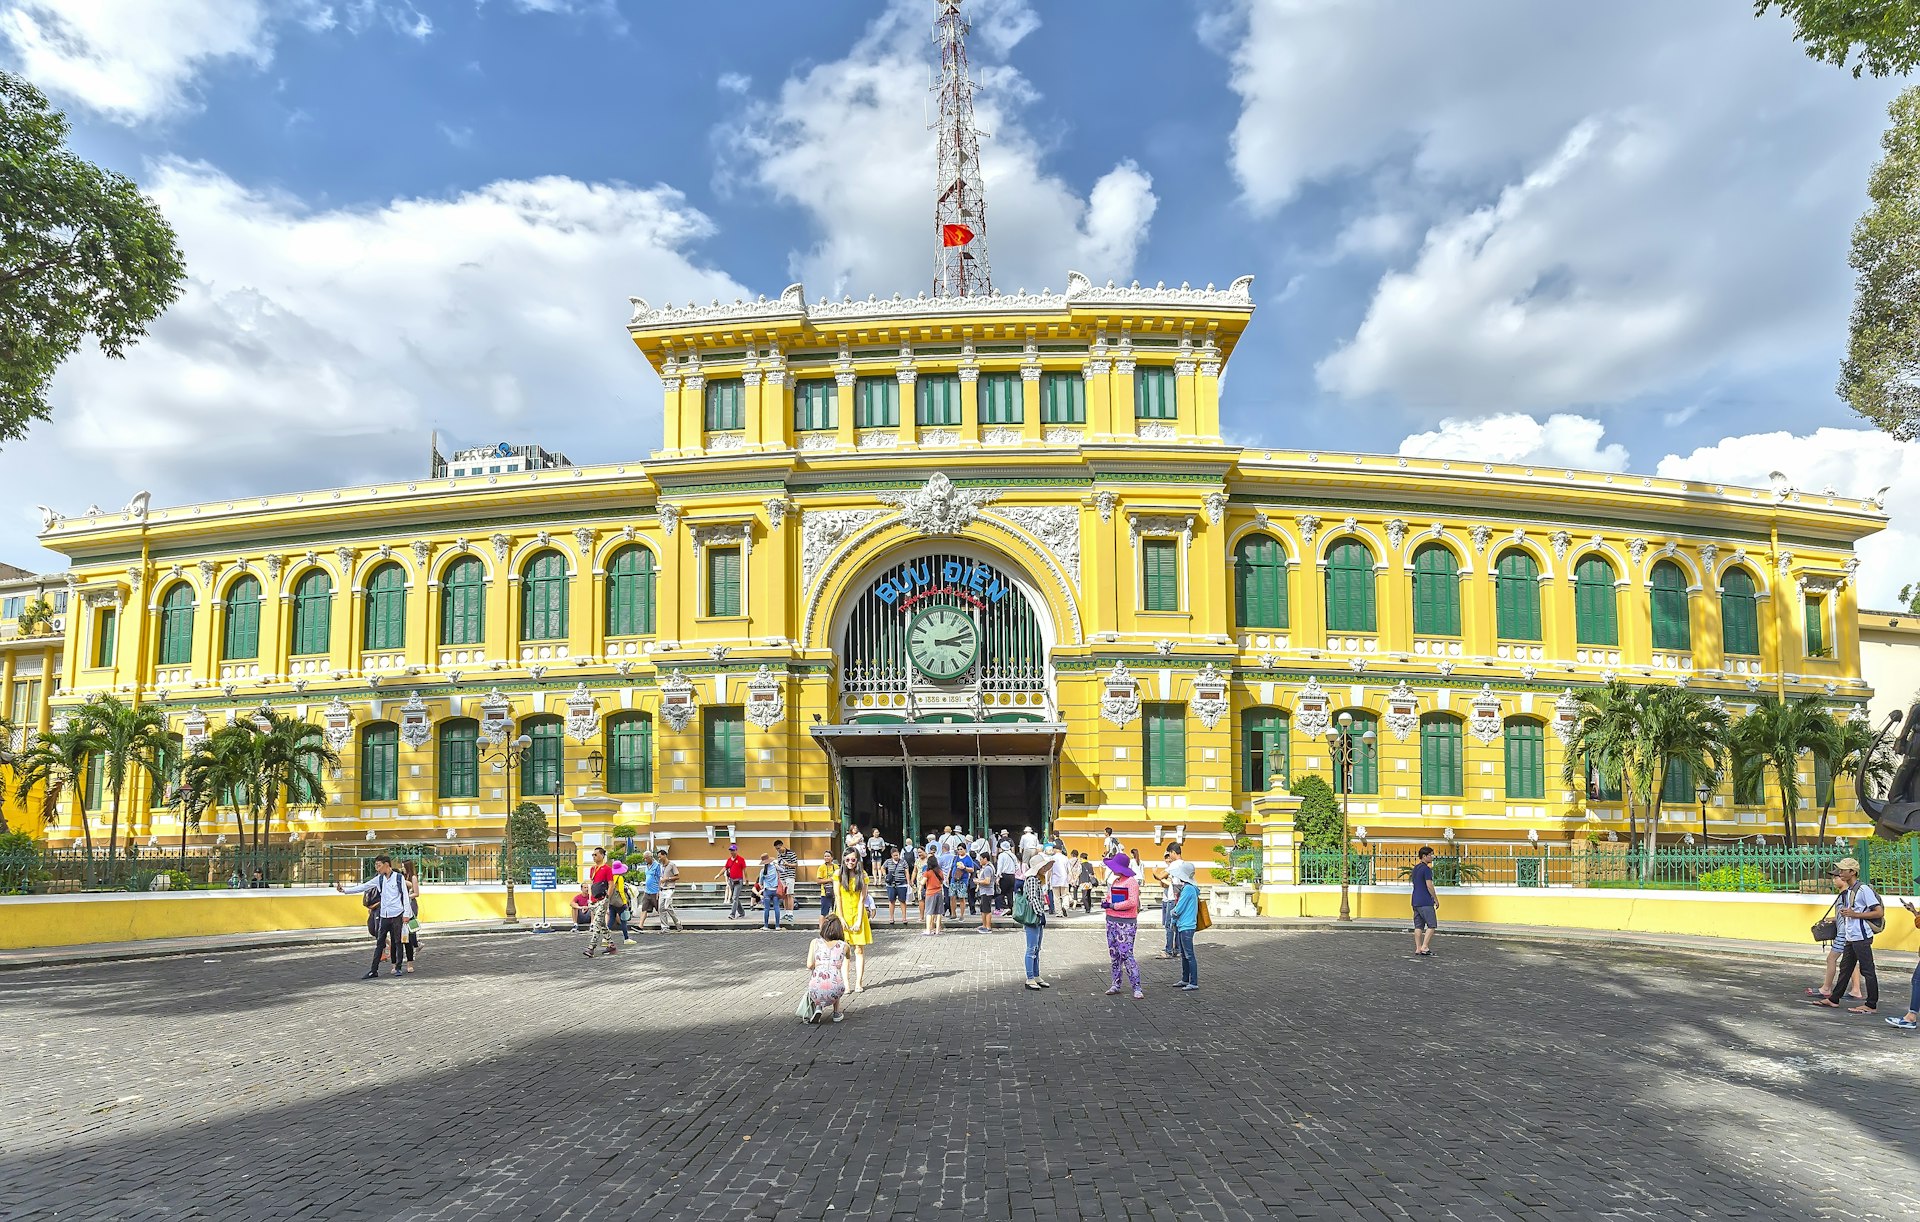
[1425, 901]
[650, 895]
[945, 856]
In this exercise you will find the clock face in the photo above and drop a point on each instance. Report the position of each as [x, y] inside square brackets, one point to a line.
[942, 642]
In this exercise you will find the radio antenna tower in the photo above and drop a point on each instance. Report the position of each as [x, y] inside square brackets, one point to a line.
[960, 268]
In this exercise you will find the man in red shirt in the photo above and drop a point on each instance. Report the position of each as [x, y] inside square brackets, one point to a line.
[600, 883]
[735, 874]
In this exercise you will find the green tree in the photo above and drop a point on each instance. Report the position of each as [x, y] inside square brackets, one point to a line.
[1880, 377]
[130, 739]
[1845, 743]
[82, 253]
[56, 761]
[287, 760]
[1677, 726]
[8, 760]
[1606, 737]
[1910, 597]
[1881, 37]
[1319, 818]
[1774, 736]
[218, 772]
[527, 830]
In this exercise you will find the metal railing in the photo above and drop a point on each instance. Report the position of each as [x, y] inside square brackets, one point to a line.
[1892, 867]
[319, 864]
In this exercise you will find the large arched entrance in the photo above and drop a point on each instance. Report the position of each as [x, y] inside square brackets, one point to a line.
[945, 704]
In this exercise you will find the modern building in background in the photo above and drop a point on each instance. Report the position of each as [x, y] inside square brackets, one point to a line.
[1890, 661]
[501, 458]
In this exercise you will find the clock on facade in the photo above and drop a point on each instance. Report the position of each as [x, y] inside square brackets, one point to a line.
[942, 642]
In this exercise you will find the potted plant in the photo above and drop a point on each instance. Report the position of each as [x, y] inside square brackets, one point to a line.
[1238, 872]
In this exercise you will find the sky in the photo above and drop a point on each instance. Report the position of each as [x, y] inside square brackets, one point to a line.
[1601, 236]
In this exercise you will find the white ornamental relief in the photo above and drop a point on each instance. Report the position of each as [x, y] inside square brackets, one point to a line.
[1105, 501]
[1120, 696]
[1566, 714]
[193, 731]
[823, 530]
[1210, 701]
[1402, 711]
[1561, 541]
[1485, 722]
[1003, 437]
[1310, 715]
[877, 439]
[676, 701]
[416, 726]
[726, 441]
[496, 718]
[421, 550]
[336, 724]
[940, 437]
[766, 698]
[939, 508]
[1056, 526]
[583, 539]
[1482, 535]
[1216, 507]
[502, 544]
[1060, 435]
[1708, 554]
[818, 441]
[777, 508]
[1155, 431]
[669, 518]
[1637, 548]
[1396, 531]
[1309, 528]
[583, 716]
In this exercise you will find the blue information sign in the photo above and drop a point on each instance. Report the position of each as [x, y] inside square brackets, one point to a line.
[543, 878]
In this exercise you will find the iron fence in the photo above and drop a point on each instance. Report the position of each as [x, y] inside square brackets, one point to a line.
[314, 864]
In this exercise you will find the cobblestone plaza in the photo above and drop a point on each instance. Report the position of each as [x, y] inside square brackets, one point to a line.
[1318, 1073]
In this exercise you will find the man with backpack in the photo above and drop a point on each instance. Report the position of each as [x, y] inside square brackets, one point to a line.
[386, 898]
[1859, 914]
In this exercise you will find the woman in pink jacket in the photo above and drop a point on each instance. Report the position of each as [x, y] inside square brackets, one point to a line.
[1122, 906]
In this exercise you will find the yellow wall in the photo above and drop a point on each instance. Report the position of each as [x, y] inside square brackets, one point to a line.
[93, 919]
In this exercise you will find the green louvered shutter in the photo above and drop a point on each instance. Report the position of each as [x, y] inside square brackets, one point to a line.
[463, 603]
[1442, 770]
[1165, 731]
[1161, 576]
[631, 769]
[936, 399]
[725, 762]
[1436, 591]
[1063, 398]
[1594, 620]
[1516, 597]
[459, 765]
[1350, 588]
[1153, 394]
[1260, 583]
[242, 637]
[1264, 746]
[543, 598]
[380, 762]
[1669, 607]
[1002, 400]
[1739, 613]
[1526, 750]
[313, 613]
[723, 581]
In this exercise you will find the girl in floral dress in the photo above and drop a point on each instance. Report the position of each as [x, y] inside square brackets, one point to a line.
[827, 961]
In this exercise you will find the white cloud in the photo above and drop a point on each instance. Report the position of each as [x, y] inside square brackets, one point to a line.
[1560, 440]
[848, 141]
[130, 60]
[1615, 199]
[1852, 462]
[313, 348]
[733, 82]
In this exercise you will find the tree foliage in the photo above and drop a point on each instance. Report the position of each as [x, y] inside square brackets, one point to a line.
[1880, 377]
[82, 253]
[1773, 737]
[527, 827]
[1881, 37]
[1319, 819]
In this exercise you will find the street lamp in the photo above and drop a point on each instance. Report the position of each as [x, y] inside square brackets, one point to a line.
[1345, 752]
[596, 764]
[509, 758]
[1703, 791]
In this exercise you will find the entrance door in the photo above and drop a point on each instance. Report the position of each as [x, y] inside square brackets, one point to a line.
[1015, 797]
[944, 796]
[876, 797]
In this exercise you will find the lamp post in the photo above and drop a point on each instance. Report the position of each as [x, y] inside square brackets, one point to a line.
[509, 758]
[1345, 752]
[596, 764]
[1703, 791]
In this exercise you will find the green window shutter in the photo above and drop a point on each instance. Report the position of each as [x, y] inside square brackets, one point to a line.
[1264, 742]
[463, 603]
[877, 403]
[386, 609]
[1366, 756]
[1442, 768]
[540, 774]
[1153, 396]
[631, 770]
[1516, 597]
[1669, 607]
[176, 626]
[163, 790]
[1160, 577]
[1594, 622]
[96, 779]
[242, 636]
[725, 762]
[312, 613]
[936, 398]
[1001, 399]
[1526, 750]
[1816, 626]
[459, 765]
[1436, 591]
[106, 637]
[543, 598]
[723, 581]
[726, 404]
[1063, 398]
[1350, 588]
[1165, 730]
[1676, 786]
[1822, 780]
[630, 592]
[1739, 613]
[1749, 790]
[1260, 583]
[815, 404]
[380, 762]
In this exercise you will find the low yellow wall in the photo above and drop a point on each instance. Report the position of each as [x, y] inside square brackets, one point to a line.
[81, 920]
[1756, 918]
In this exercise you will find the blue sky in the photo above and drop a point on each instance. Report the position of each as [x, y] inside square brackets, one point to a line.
[1582, 235]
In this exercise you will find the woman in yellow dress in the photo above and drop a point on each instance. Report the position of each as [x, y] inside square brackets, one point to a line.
[855, 910]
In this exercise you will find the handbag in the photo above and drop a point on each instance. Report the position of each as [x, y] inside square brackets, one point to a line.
[1022, 910]
[1204, 920]
[1826, 929]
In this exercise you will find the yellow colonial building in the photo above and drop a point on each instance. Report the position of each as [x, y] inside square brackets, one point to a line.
[968, 560]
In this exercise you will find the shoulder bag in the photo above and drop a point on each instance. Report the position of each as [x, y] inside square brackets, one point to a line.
[1203, 919]
[1826, 929]
[1022, 910]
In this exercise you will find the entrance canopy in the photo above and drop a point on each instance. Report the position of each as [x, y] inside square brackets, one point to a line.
[941, 744]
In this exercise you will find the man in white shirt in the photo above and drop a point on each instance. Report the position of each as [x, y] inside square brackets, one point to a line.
[1029, 844]
[390, 919]
[1856, 913]
[1006, 866]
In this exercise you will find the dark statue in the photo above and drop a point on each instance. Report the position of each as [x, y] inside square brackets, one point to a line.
[1899, 812]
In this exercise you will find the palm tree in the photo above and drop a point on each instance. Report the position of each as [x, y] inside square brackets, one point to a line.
[55, 761]
[1848, 745]
[1605, 738]
[216, 774]
[7, 760]
[1677, 727]
[130, 737]
[288, 756]
[1774, 736]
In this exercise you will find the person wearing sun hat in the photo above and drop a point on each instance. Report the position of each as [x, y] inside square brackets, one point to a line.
[1857, 911]
[1122, 907]
[1184, 917]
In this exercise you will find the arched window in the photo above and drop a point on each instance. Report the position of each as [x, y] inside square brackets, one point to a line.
[1516, 596]
[1366, 754]
[463, 602]
[459, 765]
[631, 580]
[1443, 764]
[387, 608]
[1436, 591]
[96, 783]
[1670, 630]
[380, 762]
[1260, 582]
[164, 791]
[1594, 621]
[1676, 785]
[1739, 612]
[242, 636]
[1350, 587]
[631, 739]
[1526, 741]
[176, 625]
[313, 613]
[1264, 747]
[543, 598]
[540, 772]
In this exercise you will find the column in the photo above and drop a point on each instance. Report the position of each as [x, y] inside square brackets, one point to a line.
[909, 432]
[843, 409]
[1031, 427]
[498, 636]
[970, 404]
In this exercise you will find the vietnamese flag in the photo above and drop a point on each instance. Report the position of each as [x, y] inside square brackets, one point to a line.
[955, 235]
